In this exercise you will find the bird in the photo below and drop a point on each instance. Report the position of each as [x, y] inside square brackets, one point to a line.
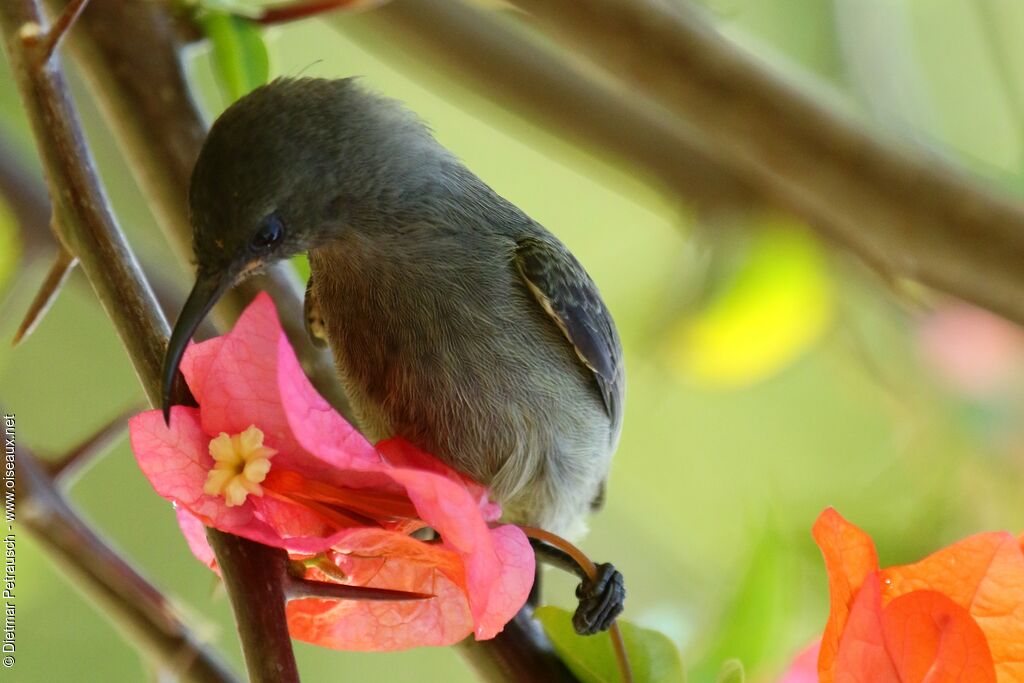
[455, 320]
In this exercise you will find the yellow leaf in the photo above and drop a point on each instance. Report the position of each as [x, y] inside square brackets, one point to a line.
[777, 305]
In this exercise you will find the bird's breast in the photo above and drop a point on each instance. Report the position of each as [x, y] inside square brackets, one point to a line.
[456, 357]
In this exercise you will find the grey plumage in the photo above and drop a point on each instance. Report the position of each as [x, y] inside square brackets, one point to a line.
[455, 320]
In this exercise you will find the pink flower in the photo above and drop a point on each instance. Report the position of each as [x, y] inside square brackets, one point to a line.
[975, 352]
[266, 458]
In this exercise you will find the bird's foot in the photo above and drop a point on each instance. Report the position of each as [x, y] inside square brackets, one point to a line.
[601, 601]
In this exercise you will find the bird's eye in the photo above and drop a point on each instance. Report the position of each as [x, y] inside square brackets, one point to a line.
[269, 235]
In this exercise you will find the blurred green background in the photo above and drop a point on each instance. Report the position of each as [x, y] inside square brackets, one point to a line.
[768, 377]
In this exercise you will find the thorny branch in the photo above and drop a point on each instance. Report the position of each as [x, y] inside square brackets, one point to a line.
[142, 612]
[88, 230]
[253, 573]
[128, 51]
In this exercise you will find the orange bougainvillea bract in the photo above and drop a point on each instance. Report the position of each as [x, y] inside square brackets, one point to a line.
[265, 457]
[956, 616]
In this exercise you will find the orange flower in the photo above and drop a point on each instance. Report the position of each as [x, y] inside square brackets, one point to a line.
[957, 615]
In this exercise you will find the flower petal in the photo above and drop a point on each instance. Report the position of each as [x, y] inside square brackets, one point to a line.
[239, 387]
[317, 427]
[195, 365]
[499, 564]
[384, 559]
[849, 557]
[509, 594]
[931, 638]
[861, 656]
[194, 531]
[290, 519]
[983, 574]
[400, 453]
[176, 461]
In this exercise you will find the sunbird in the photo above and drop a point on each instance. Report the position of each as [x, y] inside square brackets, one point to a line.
[455, 320]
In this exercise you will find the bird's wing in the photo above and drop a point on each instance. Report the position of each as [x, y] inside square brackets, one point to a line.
[311, 314]
[570, 297]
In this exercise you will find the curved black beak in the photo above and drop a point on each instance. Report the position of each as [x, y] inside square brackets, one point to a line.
[207, 290]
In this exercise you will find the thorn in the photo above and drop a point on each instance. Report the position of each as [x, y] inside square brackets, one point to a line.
[63, 470]
[297, 588]
[300, 589]
[59, 272]
[46, 42]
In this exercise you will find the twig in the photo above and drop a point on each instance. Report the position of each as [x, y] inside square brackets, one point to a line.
[58, 29]
[88, 229]
[913, 214]
[482, 55]
[142, 612]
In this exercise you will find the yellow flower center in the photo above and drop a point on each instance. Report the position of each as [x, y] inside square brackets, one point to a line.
[241, 463]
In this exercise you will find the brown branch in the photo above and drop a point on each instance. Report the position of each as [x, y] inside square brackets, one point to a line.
[914, 214]
[482, 55]
[143, 614]
[128, 51]
[88, 229]
[58, 29]
[259, 606]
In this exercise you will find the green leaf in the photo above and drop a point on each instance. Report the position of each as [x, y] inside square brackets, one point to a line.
[653, 657]
[732, 672]
[240, 58]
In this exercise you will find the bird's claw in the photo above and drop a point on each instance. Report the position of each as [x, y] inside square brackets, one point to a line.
[601, 601]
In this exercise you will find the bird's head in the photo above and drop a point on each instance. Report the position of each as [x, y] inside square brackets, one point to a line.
[284, 169]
